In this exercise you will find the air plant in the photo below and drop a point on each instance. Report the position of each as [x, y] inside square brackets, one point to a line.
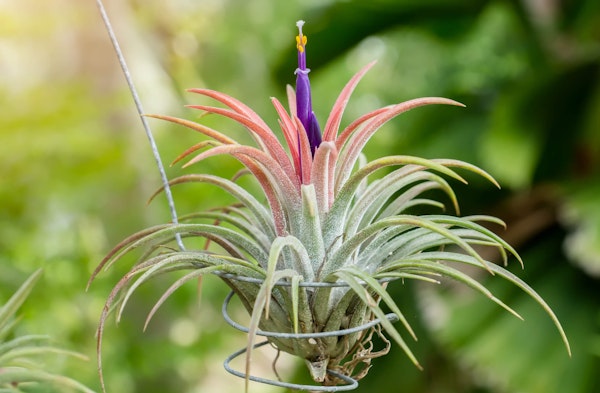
[316, 249]
[20, 356]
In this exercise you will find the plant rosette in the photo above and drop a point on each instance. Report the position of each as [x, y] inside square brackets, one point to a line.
[311, 256]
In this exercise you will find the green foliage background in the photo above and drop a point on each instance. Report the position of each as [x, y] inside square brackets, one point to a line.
[76, 170]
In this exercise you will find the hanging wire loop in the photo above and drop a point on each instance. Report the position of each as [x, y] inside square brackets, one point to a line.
[334, 333]
[350, 383]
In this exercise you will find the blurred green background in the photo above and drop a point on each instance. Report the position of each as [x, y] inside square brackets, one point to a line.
[76, 171]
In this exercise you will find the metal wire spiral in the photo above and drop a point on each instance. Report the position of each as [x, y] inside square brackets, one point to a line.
[351, 383]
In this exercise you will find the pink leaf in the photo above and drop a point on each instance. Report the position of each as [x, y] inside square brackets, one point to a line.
[322, 176]
[335, 117]
[264, 135]
[196, 147]
[344, 135]
[358, 139]
[232, 103]
[290, 134]
[291, 97]
[275, 183]
[196, 127]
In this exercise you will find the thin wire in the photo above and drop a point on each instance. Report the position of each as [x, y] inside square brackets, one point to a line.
[309, 284]
[393, 318]
[351, 382]
[138, 105]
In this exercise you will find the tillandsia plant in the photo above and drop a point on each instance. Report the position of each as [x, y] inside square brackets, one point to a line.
[315, 251]
[20, 357]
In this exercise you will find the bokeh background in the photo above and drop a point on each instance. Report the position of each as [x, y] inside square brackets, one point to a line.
[76, 171]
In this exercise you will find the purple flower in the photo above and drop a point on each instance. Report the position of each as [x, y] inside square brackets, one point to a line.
[303, 96]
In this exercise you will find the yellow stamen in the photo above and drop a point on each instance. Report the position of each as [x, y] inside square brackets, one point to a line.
[300, 38]
[301, 42]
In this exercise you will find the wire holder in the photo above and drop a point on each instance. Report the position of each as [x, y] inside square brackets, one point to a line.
[351, 383]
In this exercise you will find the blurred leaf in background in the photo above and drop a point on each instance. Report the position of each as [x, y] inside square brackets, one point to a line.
[528, 72]
[22, 368]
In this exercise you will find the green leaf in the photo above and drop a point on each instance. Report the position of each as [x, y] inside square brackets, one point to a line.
[507, 275]
[367, 299]
[525, 356]
[28, 351]
[9, 309]
[22, 341]
[20, 375]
